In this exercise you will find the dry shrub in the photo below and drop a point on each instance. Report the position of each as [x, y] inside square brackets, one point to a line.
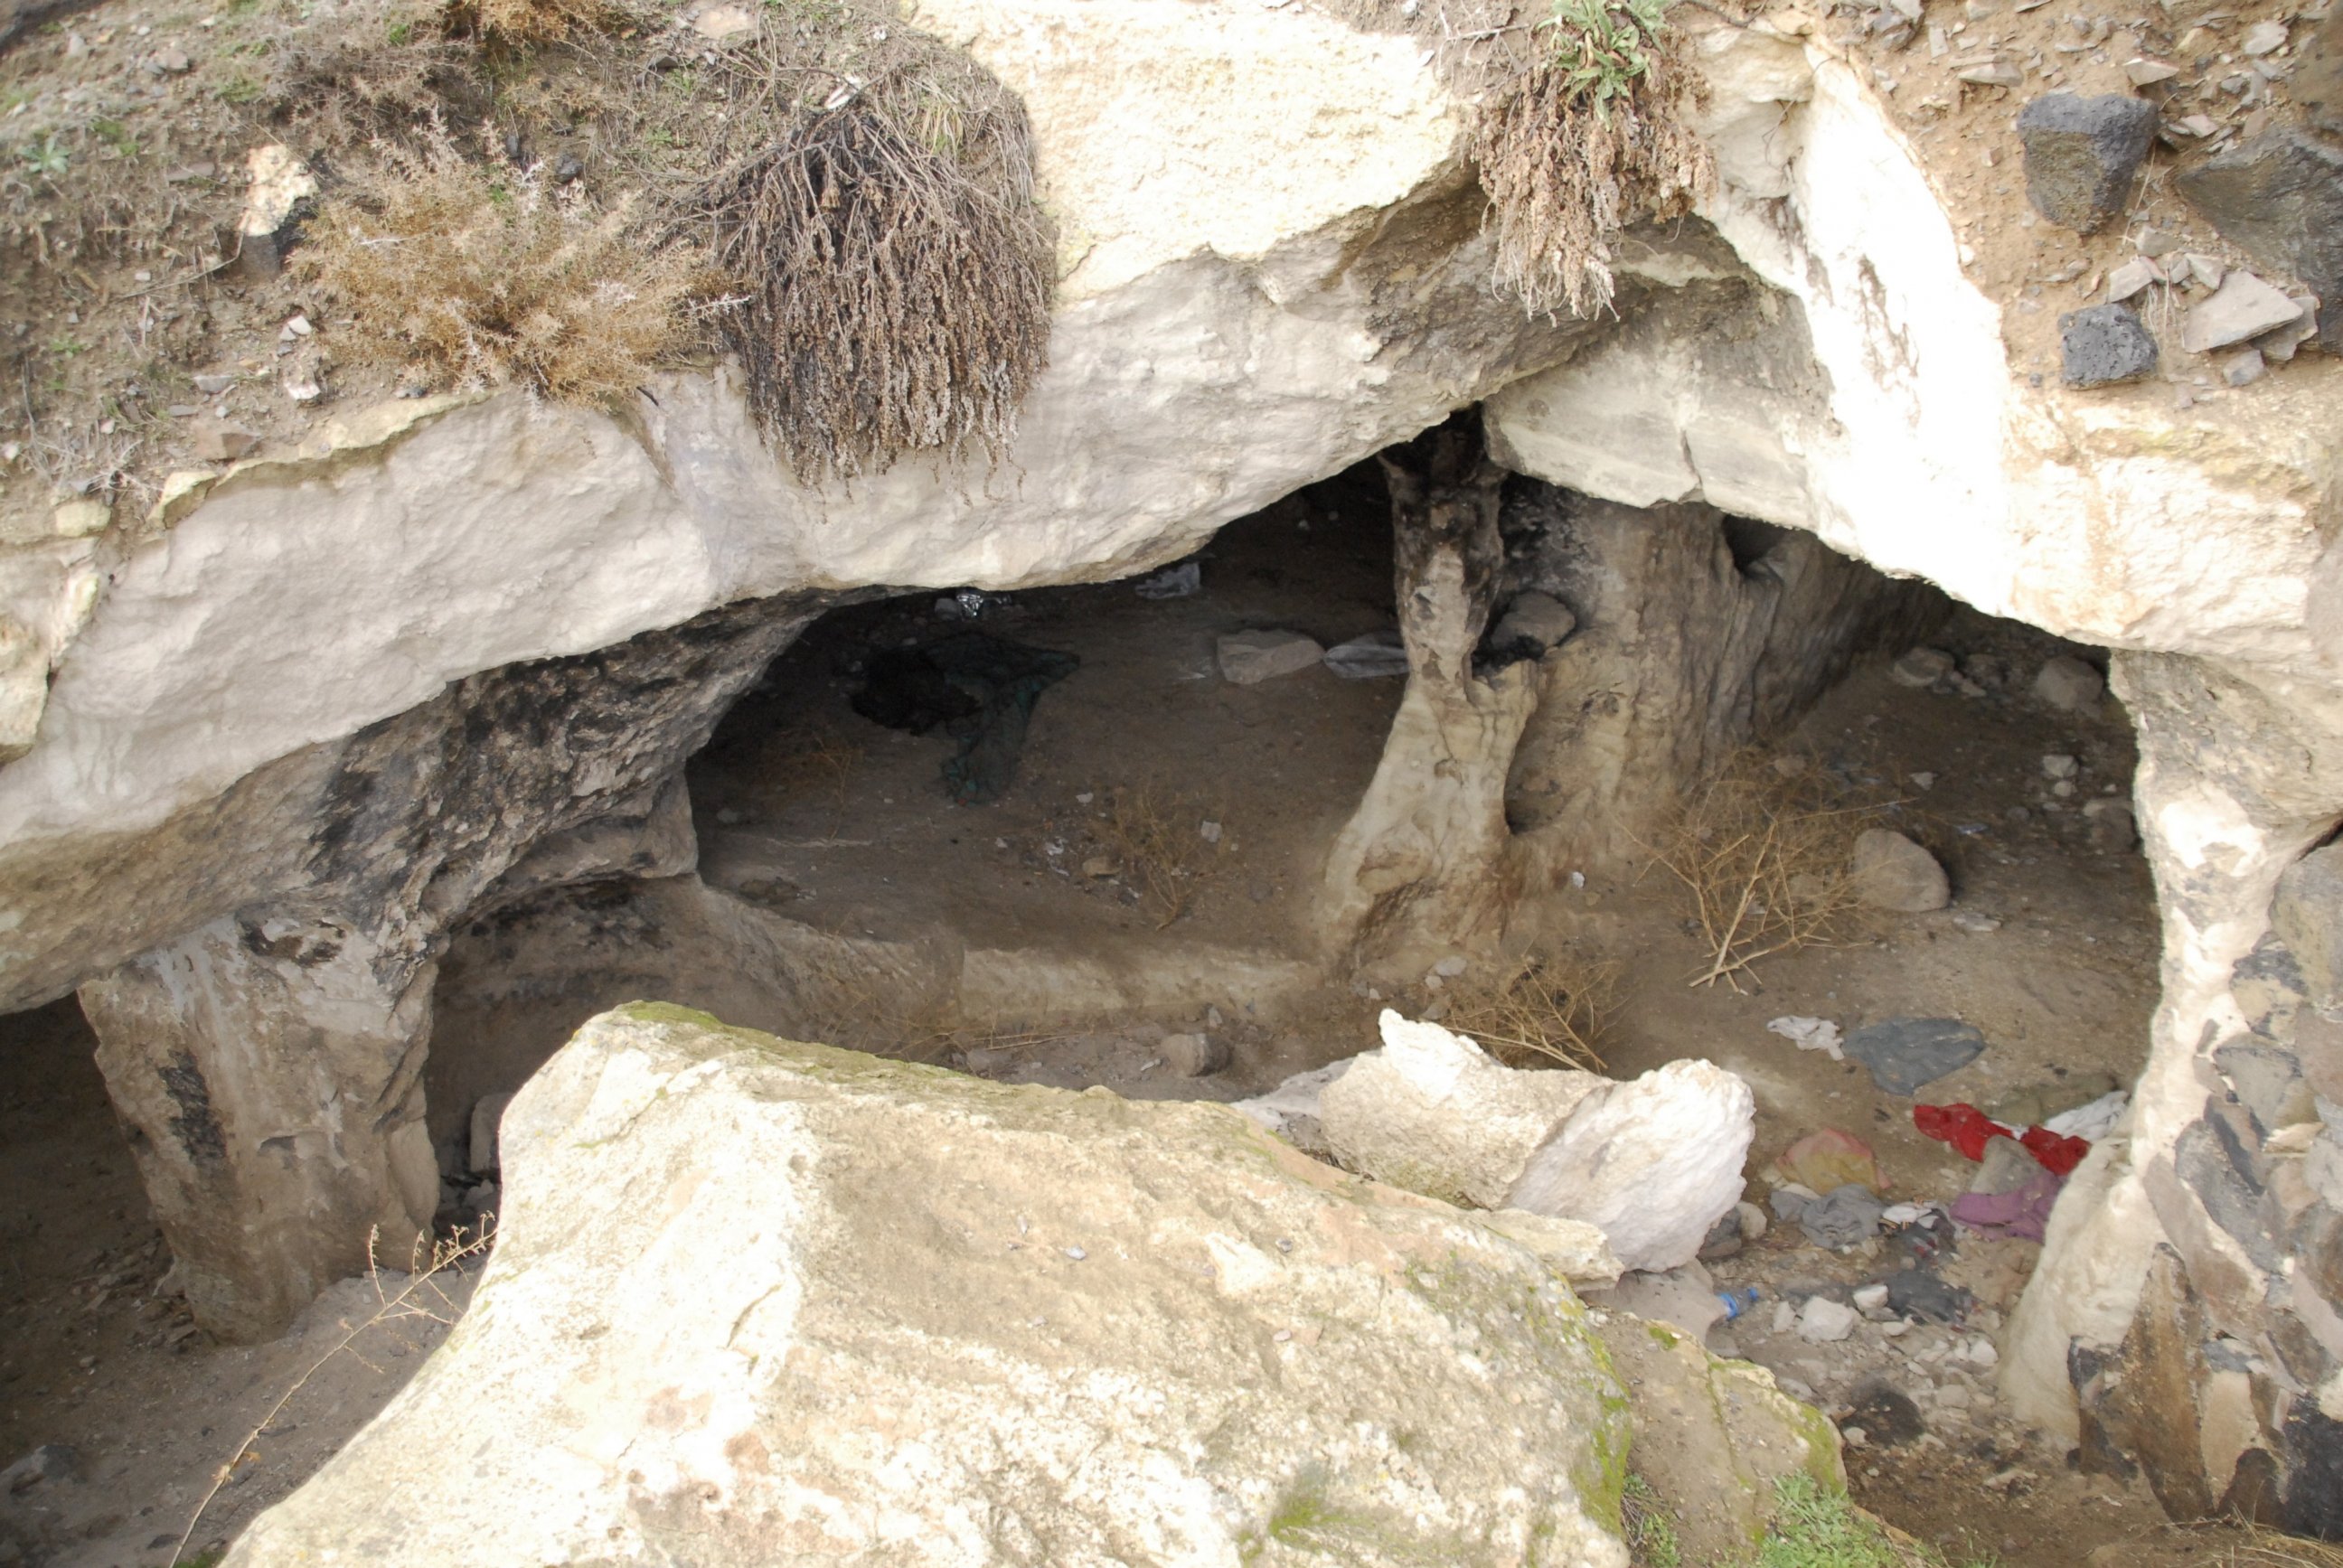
[1764, 857]
[1589, 140]
[479, 275]
[1551, 1012]
[893, 271]
[1163, 850]
[534, 21]
[810, 760]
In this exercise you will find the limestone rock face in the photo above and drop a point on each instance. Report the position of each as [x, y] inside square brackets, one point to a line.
[758, 1301]
[1865, 392]
[1230, 326]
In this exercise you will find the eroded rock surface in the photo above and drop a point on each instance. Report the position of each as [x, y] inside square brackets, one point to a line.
[757, 1300]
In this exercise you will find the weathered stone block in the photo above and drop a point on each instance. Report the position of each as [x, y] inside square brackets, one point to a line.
[2207, 1157]
[2307, 915]
[2268, 1082]
[877, 1312]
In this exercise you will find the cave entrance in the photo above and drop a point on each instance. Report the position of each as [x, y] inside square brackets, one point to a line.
[1143, 858]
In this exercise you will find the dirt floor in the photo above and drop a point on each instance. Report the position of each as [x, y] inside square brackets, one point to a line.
[807, 809]
[98, 1359]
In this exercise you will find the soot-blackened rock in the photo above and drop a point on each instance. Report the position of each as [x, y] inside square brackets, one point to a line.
[2081, 155]
[2105, 344]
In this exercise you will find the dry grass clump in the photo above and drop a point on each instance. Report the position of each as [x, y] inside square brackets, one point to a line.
[1763, 855]
[479, 274]
[893, 272]
[1591, 139]
[1159, 841]
[2261, 1547]
[1551, 1012]
[534, 21]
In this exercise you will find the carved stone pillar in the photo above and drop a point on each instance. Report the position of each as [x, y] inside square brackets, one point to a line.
[269, 1068]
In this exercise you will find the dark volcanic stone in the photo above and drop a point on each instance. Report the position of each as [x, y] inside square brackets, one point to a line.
[2314, 1482]
[2280, 195]
[2081, 155]
[2105, 344]
[2317, 80]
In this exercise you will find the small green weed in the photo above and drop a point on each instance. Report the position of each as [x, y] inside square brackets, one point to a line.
[1604, 47]
[116, 134]
[400, 32]
[1814, 1528]
[1650, 1528]
[240, 88]
[43, 158]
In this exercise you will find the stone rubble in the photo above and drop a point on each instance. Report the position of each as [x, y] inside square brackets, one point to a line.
[1893, 873]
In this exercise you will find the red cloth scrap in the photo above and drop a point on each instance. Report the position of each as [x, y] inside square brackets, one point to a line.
[1962, 1126]
[1969, 1129]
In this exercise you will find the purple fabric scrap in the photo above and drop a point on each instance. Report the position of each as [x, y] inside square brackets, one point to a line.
[2019, 1214]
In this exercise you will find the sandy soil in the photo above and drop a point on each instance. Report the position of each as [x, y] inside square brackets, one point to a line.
[97, 1355]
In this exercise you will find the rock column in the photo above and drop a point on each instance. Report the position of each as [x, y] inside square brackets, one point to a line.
[1422, 863]
[2188, 1314]
[269, 1070]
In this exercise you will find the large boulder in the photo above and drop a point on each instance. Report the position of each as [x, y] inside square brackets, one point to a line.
[757, 1301]
[1434, 1113]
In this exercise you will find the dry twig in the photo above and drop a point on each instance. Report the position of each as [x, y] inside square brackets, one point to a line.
[1158, 840]
[421, 1296]
[1764, 858]
[1550, 1011]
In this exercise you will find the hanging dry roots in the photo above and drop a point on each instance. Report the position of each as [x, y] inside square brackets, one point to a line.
[1568, 166]
[894, 270]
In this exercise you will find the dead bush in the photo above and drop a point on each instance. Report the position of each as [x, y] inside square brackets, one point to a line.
[534, 21]
[1159, 841]
[475, 274]
[1763, 854]
[1580, 128]
[891, 270]
[1589, 140]
[1548, 1012]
